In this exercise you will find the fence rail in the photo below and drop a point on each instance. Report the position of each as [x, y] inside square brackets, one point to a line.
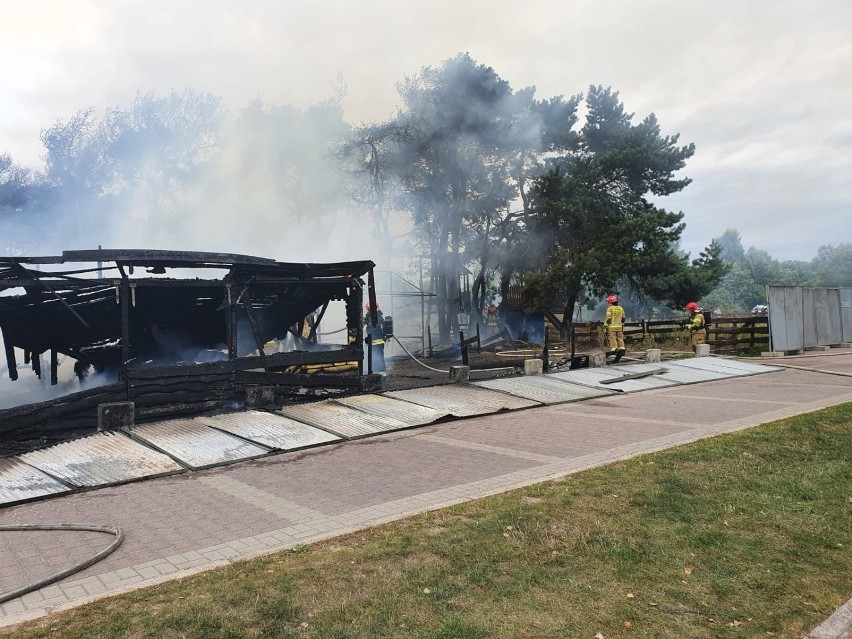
[726, 335]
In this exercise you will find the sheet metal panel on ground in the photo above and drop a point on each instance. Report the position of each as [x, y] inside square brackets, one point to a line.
[99, 460]
[406, 412]
[546, 389]
[21, 482]
[344, 421]
[462, 400]
[268, 429]
[196, 445]
[594, 377]
[109, 458]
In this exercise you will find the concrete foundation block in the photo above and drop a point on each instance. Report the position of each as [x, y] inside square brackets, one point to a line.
[116, 415]
[260, 397]
[842, 345]
[653, 355]
[459, 373]
[819, 349]
[702, 350]
[772, 354]
[533, 367]
[596, 360]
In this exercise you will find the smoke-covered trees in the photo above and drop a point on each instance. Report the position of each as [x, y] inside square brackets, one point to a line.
[135, 159]
[15, 185]
[449, 153]
[458, 157]
[594, 222]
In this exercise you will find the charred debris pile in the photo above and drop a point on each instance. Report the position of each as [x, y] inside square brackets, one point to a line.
[164, 337]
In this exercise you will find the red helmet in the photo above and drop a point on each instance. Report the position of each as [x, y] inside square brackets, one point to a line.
[691, 307]
[367, 306]
[612, 299]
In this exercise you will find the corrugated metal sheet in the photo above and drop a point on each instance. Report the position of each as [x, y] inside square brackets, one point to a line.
[846, 314]
[461, 400]
[543, 388]
[342, 420]
[659, 380]
[22, 482]
[196, 445]
[746, 368]
[593, 377]
[101, 459]
[714, 365]
[687, 374]
[270, 430]
[411, 414]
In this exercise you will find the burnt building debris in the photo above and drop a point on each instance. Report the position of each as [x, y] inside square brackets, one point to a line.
[176, 331]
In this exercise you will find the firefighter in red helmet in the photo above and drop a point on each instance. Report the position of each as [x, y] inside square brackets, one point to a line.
[377, 337]
[695, 323]
[614, 327]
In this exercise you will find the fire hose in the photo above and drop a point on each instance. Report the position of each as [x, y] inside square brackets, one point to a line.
[439, 370]
[46, 581]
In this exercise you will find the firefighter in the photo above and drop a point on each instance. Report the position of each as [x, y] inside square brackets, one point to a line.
[614, 327]
[491, 317]
[695, 323]
[376, 333]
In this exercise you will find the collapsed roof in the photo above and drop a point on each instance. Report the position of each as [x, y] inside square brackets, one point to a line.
[137, 313]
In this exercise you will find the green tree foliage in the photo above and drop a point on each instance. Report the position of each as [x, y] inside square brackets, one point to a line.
[752, 270]
[832, 266]
[593, 222]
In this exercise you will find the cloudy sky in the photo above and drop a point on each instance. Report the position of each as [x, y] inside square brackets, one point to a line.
[763, 87]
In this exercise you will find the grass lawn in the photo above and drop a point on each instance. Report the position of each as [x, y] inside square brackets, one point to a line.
[744, 535]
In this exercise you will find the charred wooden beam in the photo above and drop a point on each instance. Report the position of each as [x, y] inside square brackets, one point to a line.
[11, 360]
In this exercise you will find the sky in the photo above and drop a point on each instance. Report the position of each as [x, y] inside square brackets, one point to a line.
[763, 88]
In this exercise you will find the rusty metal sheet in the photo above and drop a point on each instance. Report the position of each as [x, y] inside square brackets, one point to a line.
[100, 460]
[269, 429]
[462, 400]
[411, 414]
[543, 388]
[22, 482]
[342, 420]
[196, 445]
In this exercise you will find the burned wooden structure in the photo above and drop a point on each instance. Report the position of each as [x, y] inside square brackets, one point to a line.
[176, 332]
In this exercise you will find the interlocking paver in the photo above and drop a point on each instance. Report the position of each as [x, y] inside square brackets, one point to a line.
[180, 524]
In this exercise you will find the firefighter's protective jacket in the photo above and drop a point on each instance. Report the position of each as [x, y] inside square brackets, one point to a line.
[614, 318]
[696, 321]
[375, 332]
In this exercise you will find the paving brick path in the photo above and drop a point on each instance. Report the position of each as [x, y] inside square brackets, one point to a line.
[178, 525]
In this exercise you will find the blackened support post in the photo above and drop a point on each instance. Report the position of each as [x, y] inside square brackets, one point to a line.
[369, 340]
[125, 326]
[231, 319]
[354, 325]
[11, 362]
[545, 354]
[54, 367]
[463, 348]
[371, 294]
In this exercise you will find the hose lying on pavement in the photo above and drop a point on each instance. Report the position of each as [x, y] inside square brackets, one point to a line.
[41, 583]
[439, 370]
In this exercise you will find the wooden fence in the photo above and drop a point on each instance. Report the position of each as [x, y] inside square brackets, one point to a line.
[726, 335]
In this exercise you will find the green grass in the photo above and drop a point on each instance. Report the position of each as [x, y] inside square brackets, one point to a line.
[744, 535]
